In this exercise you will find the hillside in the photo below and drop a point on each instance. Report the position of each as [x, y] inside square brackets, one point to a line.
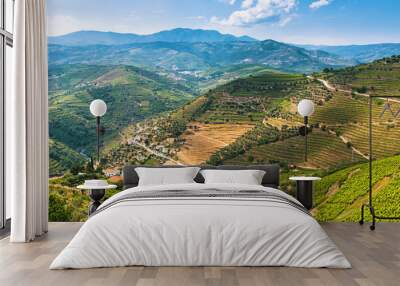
[322, 147]
[86, 38]
[191, 58]
[347, 112]
[63, 158]
[268, 100]
[219, 119]
[380, 77]
[132, 94]
[340, 195]
[254, 120]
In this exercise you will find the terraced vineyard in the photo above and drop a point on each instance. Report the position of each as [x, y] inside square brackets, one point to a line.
[385, 140]
[380, 77]
[250, 100]
[325, 151]
[348, 116]
[341, 194]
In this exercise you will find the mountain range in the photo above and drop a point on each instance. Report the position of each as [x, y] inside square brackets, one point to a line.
[356, 53]
[85, 38]
[199, 56]
[361, 53]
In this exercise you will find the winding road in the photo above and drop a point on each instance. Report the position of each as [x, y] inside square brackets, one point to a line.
[156, 153]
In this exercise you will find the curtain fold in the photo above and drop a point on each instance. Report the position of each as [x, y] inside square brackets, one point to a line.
[27, 124]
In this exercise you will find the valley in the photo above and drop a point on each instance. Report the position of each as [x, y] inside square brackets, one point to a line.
[132, 95]
[199, 103]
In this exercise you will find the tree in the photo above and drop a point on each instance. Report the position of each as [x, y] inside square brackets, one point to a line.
[58, 208]
[76, 169]
[90, 166]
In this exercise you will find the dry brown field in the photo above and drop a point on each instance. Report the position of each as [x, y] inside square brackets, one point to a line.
[206, 139]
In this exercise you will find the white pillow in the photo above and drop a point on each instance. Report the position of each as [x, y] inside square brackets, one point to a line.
[166, 176]
[247, 177]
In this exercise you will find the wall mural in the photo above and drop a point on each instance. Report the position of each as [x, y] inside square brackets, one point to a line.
[218, 93]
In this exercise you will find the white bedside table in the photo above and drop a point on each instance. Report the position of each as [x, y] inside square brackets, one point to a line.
[96, 193]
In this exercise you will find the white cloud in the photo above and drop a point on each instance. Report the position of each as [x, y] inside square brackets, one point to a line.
[285, 20]
[247, 4]
[253, 13]
[320, 3]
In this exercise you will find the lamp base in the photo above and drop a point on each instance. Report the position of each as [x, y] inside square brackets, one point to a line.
[95, 196]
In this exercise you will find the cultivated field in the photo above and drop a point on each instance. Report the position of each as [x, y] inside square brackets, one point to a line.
[325, 151]
[379, 78]
[349, 117]
[340, 195]
[202, 140]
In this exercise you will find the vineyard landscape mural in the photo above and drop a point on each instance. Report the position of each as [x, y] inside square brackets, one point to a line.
[222, 89]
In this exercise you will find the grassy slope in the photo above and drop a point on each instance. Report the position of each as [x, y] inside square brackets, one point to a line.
[380, 77]
[62, 158]
[349, 189]
[322, 147]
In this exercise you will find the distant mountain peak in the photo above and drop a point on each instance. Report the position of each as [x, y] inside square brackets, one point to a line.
[362, 53]
[85, 38]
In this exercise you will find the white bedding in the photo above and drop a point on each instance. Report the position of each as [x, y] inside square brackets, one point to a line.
[202, 232]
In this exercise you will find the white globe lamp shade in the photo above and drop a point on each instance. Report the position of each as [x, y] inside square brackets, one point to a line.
[98, 107]
[305, 107]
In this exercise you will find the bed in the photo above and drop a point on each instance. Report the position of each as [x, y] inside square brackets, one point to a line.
[197, 224]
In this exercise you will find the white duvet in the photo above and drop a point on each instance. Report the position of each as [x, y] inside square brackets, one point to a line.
[200, 232]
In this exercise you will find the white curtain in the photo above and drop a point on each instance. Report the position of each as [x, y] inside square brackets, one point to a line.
[27, 124]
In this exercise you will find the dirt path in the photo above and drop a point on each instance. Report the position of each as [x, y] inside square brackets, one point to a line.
[156, 153]
[345, 140]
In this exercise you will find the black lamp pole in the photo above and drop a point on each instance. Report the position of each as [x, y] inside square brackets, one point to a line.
[98, 138]
[305, 138]
[306, 141]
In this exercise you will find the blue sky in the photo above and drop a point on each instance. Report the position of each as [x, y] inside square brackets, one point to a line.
[330, 22]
